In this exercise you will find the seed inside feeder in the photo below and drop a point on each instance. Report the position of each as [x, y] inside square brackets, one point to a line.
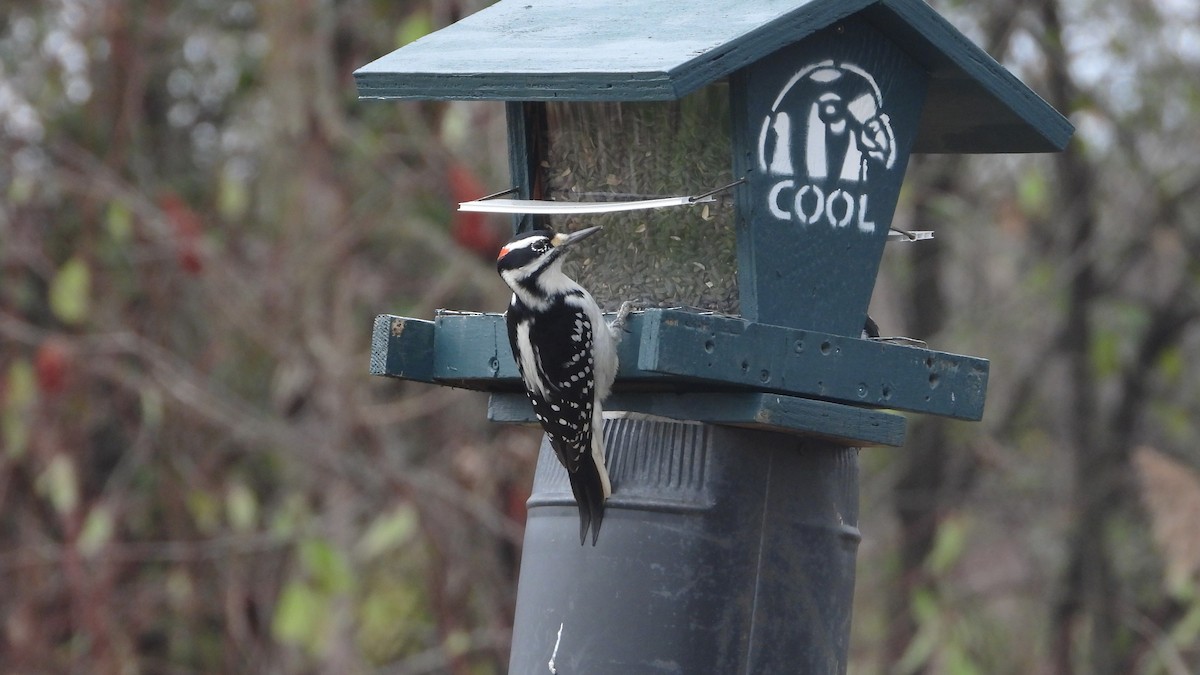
[622, 151]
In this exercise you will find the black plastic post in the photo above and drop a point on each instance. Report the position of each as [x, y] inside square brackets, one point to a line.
[723, 550]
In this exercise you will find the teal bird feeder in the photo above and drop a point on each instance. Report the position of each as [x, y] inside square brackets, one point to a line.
[746, 386]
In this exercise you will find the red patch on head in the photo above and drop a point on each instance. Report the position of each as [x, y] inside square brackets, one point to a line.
[503, 252]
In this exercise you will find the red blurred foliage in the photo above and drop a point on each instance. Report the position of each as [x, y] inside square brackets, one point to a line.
[188, 228]
[50, 366]
[476, 232]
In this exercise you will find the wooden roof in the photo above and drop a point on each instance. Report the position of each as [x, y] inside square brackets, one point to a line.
[634, 50]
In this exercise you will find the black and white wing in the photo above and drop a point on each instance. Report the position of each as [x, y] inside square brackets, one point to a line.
[554, 354]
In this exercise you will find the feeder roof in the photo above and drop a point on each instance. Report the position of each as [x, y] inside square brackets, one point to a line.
[634, 50]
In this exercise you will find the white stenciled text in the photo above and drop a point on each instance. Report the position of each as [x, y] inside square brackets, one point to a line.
[811, 204]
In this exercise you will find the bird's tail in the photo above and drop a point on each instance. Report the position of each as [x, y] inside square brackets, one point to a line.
[589, 484]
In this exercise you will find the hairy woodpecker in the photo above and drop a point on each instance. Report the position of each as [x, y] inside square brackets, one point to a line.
[567, 355]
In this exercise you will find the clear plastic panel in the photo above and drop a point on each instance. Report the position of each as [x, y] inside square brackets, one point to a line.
[678, 256]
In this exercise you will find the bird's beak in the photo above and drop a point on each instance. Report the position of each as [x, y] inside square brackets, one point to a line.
[573, 237]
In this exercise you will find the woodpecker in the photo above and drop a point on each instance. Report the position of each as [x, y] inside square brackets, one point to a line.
[567, 355]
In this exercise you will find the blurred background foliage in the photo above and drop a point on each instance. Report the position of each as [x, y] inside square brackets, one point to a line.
[198, 221]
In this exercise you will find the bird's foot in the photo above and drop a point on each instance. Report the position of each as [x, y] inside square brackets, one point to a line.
[618, 324]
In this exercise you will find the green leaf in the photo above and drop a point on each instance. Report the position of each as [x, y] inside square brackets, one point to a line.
[289, 516]
[22, 392]
[241, 507]
[1033, 194]
[119, 221]
[924, 644]
[391, 614]
[16, 433]
[415, 27]
[233, 199]
[1187, 630]
[1171, 363]
[328, 567]
[152, 408]
[457, 642]
[180, 590]
[205, 510]
[958, 661]
[1105, 353]
[20, 189]
[948, 546]
[388, 532]
[70, 290]
[300, 616]
[97, 531]
[22, 384]
[924, 606]
[1176, 419]
[59, 484]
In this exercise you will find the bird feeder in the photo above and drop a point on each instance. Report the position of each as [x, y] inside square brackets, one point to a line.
[746, 386]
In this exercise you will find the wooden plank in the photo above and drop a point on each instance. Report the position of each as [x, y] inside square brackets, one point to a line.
[848, 425]
[681, 351]
[473, 347]
[728, 350]
[472, 351]
[402, 347]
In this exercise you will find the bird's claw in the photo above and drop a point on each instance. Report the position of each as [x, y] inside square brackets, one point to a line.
[619, 324]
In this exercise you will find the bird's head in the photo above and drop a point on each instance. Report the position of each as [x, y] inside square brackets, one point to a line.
[530, 256]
